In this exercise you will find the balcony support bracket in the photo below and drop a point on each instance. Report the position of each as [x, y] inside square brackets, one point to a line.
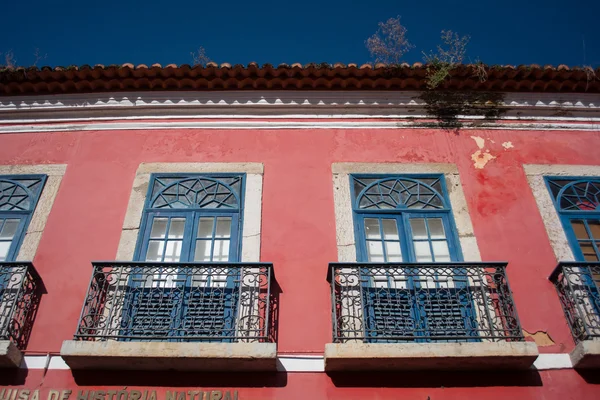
[586, 355]
[10, 355]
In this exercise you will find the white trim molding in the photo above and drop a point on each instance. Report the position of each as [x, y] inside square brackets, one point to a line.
[535, 176]
[296, 363]
[251, 228]
[346, 244]
[282, 125]
[33, 236]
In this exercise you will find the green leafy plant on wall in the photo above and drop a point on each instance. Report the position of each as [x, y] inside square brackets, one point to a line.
[450, 106]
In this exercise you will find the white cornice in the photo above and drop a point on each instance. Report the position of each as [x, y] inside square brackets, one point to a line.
[277, 110]
[274, 104]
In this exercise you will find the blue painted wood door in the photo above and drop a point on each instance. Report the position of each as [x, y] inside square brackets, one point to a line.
[185, 304]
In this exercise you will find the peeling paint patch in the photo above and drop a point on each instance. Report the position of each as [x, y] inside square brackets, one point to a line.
[480, 141]
[540, 338]
[507, 145]
[480, 159]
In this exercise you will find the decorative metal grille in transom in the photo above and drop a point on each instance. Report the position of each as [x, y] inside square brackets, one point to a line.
[398, 193]
[196, 192]
[576, 194]
[19, 194]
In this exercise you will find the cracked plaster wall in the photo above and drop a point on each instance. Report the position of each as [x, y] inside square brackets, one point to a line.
[346, 245]
[55, 173]
[252, 203]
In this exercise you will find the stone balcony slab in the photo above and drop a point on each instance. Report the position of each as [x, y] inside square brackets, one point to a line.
[192, 356]
[429, 356]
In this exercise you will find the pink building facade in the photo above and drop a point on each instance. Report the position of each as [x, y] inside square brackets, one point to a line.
[296, 232]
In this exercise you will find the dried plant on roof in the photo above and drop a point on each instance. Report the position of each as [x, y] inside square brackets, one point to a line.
[590, 75]
[199, 57]
[8, 59]
[38, 57]
[389, 44]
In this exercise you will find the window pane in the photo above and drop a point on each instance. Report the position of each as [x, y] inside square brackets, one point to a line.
[173, 252]
[176, 228]
[4, 246]
[155, 250]
[589, 254]
[202, 252]
[381, 281]
[159, 228]
[205, 227]
[441, 251]
[375, 251]
[422, 252]
[594, 228]
[394, 254]
[579, 229]
[372, 228]
[418, 228]
[436, 228]
[223, 227]
[221, 250]
[9, 229]
[390, 229]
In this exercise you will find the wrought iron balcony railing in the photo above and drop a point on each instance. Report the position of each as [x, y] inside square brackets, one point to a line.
[178, 302]
[20, 291]
[578, 287]
[422, 302]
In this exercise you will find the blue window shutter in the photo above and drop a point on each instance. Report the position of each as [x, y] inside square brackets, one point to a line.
[14, 242]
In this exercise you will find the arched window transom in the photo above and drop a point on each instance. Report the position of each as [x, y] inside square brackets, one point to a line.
[576, 195]
[196, 193]
[19, 194]
[398, 193]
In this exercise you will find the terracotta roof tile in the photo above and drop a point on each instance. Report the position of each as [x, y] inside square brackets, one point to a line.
[74, 79]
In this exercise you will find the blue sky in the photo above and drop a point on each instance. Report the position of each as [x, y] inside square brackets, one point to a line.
[151, 31]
